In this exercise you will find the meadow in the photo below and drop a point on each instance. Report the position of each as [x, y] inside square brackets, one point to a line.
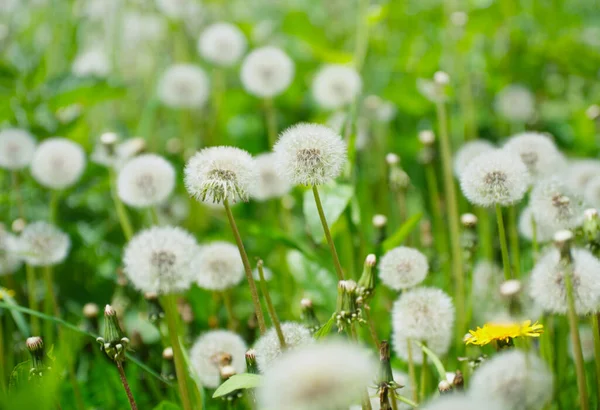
[299, 204]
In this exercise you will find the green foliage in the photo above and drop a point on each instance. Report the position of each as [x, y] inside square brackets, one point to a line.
[238, 382]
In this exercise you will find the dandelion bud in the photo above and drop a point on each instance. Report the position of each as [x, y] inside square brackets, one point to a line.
[366, 283]
[35, 345]
[174, 145]
[335, 86]
[308, 314]
[468, 220]
[469, 237]
[17, 148]
[426, 233]
[591, 228]
[168, 366]
[398, 178]
[427, 137]
[109, 141]
[251, 365]
[403, 267]
[385, 368]
[222, 44]
[562, 240]
[379, 221]
[593, 112]
[444, 387]
[91, 312]
[510, 288]
[392, 159]
[18, 225]
[58, 163]
[458, 382]
[347, 310]
[114, 343]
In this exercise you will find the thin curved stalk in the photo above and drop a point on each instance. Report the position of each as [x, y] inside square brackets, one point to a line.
[411, 371]
[336, 259]
[270, 308]
[503, 245]
[576, 341]
[120, 208]
[514, 240]
[126, 386]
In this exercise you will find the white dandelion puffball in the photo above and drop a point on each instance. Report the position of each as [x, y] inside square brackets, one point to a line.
[267, 273]
[555, 205]
[422, 314]
[267, 72]
[219, 174]
[268, 348]
[58, 163]
[522, 380]
[403, 267]
[10, 259]
[526, 222]
[310, 154]
[325, 376]
[270, 184]
[92, 62]
[406, 390]
[335, 86]
[16, 148]
[459, 401]
[493, 178]
[42, 244]
[586, 336]
[122, 152]
[467, 152]
[548, 286]
[218, 266]
[337, 122]
[183, 86]
[145, 181]
[222, 44]
[515, 103]
[592, 192]
[209, 349]
[580, 172]
[539, 154]
[159, 260]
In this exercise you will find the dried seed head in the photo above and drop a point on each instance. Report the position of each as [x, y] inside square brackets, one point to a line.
[444, 387]
[335, 86]
[34, 344]
[167, 353]
[146, 181]
[268, 349]
[403, 267]
[222, 44]
[183, 86]
[267, 72]
[58, 163]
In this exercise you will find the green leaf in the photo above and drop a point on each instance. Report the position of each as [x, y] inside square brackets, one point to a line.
[238, 382]
[19, 374]
[436, 361]
[325, 329]
[85, 91]
[17, 316]
[167, 405]
[335, 199]
[402, 232]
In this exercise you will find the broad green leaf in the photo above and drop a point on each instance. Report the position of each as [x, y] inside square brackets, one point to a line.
[238, 382]
[402, 232]
[335, 199]
[436, 361]
[325, 329]
[167, 405]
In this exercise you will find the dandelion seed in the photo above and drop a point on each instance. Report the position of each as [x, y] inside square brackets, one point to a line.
[522, 380]
[267, 72]
[219, 174]
[310, 154]
[539, 154]
[555, 205]
[330, 375]
[58, 163]
[515, 103]
[548, 282]
[91, 63]
[403, 267]
[159, 260]
[218, 266]
[209, 350]
[183, 86]
[16, 148]
[335, 86]
[469, 151]
[222, 44]
[268, 348]
[495, 178]
[42, 244]
[580, 172]
[270, 184]
[146, 181]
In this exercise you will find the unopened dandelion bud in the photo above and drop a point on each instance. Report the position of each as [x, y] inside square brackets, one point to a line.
[510, 288]
[591, 228]
[380, 223]
[155, 310]
[398, 178]
[90, 313]
[444, 387]
[468, 220]
[427, 137]
[114, 343]
[251, 366]
[35, 345]
[109, 141]
[168, 366]
[458, 382]
[392, 159]
[366, 283]
[308, 314]
[469, 237]
[347, 310]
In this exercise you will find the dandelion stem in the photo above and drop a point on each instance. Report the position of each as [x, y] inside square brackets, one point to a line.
[172, 317]
[371, 326]
[231, 319]
[406, 401]
[514, 240]
[126, 386]
[271, 117]
[247, 269]
[534, 240]
[50, 304]
[120, 208]
[503, 245]
[31, 297]
[576, 341]
[411, 370]
[485, 233]
[441, 240]
[2, 357]
[452, 204]
[336, 260]
[270, 308]
[18, 195]
[424, 375]
[596, 331]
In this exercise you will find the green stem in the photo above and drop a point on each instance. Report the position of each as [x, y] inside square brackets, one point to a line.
[270, 308]
[407, 401]
[423, 385]
[485, 233]
[503, 245]
[154, 216]
[596, 331]
[54, 198]
[120, 208]
[411, 370]
[172, 317]
[31, 296]
[247, 269]
[452, 204]
[514, 240]
[3, 356]
[123, 378]
[336, 260]
[441, 240]
[271, 117]
[18, 195]
[534, 239]
[231, 319]
[50, 304]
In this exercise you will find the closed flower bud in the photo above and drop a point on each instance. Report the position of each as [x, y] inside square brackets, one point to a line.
[114, 343]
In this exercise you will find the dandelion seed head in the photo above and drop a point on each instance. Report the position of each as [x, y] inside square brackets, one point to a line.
[379, 221]
[467, 152]
[218, 266]
[495, 177]
[422, 314]
[515, 103]
[522, 380]
[218, 174]
[580, 172]
[110, 153]
[268, 348]
[57, 163]
[403, 267]
[525, 225]
[146, 181]
[441, 78]
[267, 72]
[335, 86]
[160, 260]
[10, 261]
[43, 244]
[310, 154]
[427, 137]
[91, 63]
[555, 205]
[16, 148]
[548, 287]
[539, 154]
[591, 193]
[209, 348]
[269, 184]
[330, 375]
[183, 86]
[222, 44]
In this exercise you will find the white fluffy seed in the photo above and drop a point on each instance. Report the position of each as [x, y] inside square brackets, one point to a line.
[403, 267]
[16, 148]
[58, 163]
[183, 86]
[335, 86]
[43, 244]
[267, 72]
[218, 266]
[268, 348]
[145, 181]
[222, 44]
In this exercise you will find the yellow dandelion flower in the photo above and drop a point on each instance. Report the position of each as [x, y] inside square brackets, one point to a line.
[503, 332]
